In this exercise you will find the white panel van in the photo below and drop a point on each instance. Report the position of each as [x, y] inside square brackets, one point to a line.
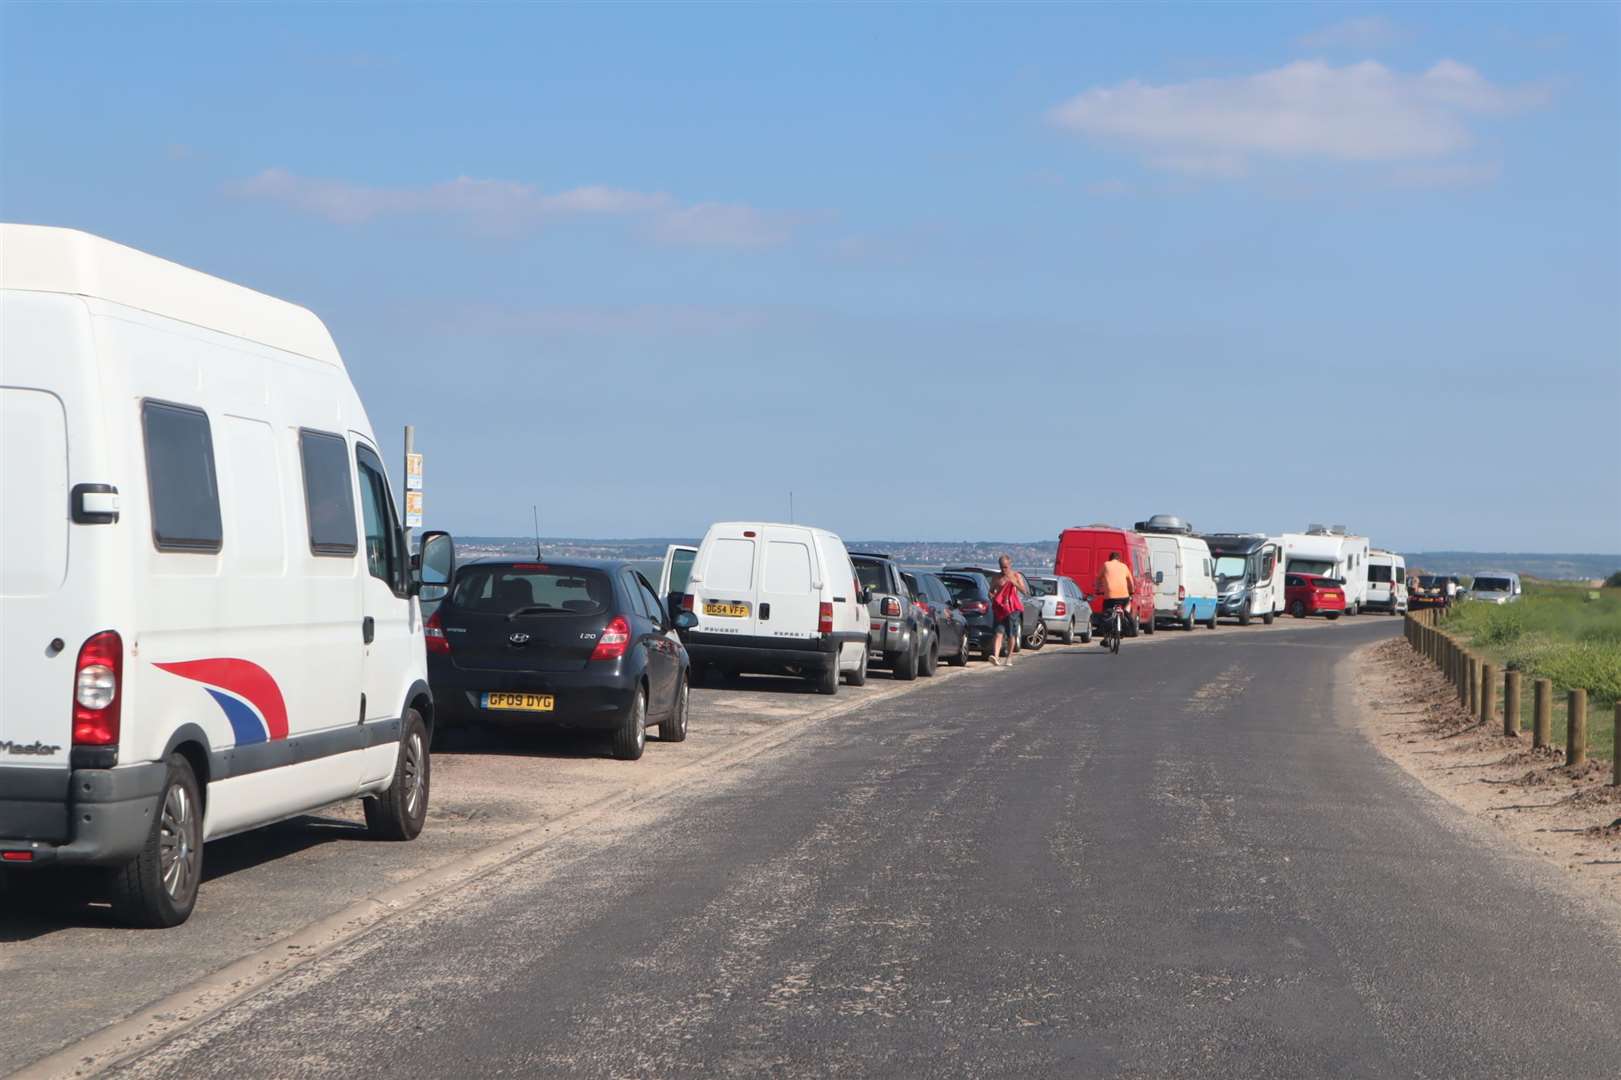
[1387, 582]
[208, 618]
[1184, 580]
[776, 599]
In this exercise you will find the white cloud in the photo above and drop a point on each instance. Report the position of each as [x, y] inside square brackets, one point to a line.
[1308, 110]
[1365, 32]
[508, 204]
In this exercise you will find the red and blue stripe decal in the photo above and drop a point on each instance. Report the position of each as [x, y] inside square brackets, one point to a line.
[250, 698]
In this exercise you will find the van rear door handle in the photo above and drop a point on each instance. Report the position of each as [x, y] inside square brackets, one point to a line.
[368, 629]
[765, 611]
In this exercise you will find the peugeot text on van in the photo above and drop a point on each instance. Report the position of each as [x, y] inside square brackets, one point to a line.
[776, 599]
[208, 611]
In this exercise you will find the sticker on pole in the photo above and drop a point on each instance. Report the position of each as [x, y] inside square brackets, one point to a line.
[413, 472]
[413, 509]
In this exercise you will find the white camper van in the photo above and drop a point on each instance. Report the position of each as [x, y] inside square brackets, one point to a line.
[778, 599]
[1328, 551]
[1387, 582]
[1249, 575]
[207, 614]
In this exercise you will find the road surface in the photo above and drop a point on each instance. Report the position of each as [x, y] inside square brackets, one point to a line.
[1180, 861]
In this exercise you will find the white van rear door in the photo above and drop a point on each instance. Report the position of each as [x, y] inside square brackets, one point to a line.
[47, 563]
[672, 584]
[724, 586]
[790, 587]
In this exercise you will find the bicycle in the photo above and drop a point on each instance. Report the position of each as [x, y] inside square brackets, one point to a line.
[1114, 628]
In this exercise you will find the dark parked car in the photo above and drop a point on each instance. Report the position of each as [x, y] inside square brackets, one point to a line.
[576, 644]
[1032, 627]
[939, 615]
[896, 639]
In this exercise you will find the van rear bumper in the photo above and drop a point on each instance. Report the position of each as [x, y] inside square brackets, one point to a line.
[766, 654]
[66, 817]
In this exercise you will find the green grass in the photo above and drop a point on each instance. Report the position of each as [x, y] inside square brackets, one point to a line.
[1567, 633]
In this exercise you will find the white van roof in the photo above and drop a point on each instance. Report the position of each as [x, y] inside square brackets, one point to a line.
[42, 258]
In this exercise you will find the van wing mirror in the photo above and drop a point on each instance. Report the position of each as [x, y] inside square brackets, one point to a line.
[434, 563]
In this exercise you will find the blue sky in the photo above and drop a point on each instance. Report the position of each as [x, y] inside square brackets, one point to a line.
[655, 266]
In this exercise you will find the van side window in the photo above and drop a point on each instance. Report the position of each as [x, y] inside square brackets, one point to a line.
[180, 478]
[384, 558]
[329, 497]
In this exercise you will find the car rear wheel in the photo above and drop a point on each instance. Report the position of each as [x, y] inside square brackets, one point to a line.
[400, 812]
[858, 677]
[1332, 615]
[630, 737]
[158, 887]
[931, 659]
[905, 666]
[674, 729]
[1069, 633]
[960, 657]
[1298, 609]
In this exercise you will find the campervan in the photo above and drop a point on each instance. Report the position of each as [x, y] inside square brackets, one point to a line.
[1329, 551]
[208, 615]
[1249, 575]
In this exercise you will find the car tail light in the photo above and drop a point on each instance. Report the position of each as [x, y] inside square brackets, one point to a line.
[892, 607]
[975, 607]
[433, 634]
[614, 641]
[17, 856]
[686, 601]
[1061, 609]
[824, 618]
[923, 606]
[96, 679]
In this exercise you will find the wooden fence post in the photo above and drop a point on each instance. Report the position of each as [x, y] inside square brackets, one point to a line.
[1615, 751]
[1576, 728]
[1511, 704]
[1542, 714]
[1488, 692]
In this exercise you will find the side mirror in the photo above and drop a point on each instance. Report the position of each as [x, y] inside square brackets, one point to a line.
[686, 620]
[1159, 577]
[434, 563]
[866, 595]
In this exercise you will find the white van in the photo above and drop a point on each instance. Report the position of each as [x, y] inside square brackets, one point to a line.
[779, 599]
[1327, 551]
[1184, 580]
[1387, 582]
[207, 613]
[1249, 575]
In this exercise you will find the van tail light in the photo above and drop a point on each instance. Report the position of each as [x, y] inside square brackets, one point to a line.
[433, 634]
[614, 640]
[892, 608]
[824, 618]
[686, 601]
[96, 679]
[1061, 609]
[1181, 593]
[975, 607]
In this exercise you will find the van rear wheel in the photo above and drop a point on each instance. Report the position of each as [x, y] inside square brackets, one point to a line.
[158, 887]
[858, 677]
[827, 680]
[400, 812]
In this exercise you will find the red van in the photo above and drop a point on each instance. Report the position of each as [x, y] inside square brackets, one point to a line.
[1083, 551]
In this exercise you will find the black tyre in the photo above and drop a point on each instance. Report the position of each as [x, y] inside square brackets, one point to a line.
[1069, 632]
[1298, 609]
[904, 666]
[1244, 616]
[630, 737]
[1149, 627]
[1131, 625]
[1332, 615]
[960, 657]
[931, 659]
[674, 728]
[827, 680]
[158, 887]
[858, 677]
[400, 812]
[1187, 621]
[1268, 617]
[1212, 623]
[1038, 636]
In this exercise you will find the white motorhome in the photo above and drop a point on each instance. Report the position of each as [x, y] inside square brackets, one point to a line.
[1328, 551]
[208, 618]
[1387, 582]
[1249, 575]
[776, 599]
[1184, 572]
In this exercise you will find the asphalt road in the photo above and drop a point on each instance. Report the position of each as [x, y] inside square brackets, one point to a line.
[1181, 861]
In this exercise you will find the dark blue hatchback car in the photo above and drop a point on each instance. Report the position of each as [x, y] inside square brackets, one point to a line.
[568, 643]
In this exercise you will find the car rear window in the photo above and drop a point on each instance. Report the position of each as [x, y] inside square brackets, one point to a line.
[1042, 586]
[962, 588]
[871, 575]
[532, 588]
[1493, 584]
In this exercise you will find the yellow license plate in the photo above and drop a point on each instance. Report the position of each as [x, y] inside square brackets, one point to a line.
[732, 611]
[519, 702]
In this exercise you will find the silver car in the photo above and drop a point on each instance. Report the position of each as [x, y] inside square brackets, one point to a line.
[1065, 611]
[1496, 587]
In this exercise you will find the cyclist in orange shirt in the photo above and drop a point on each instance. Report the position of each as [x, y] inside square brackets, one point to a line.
[1116, 582]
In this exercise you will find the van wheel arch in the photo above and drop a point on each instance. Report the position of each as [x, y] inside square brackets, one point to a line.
[191, 742]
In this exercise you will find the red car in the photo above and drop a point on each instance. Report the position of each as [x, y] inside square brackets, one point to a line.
[1307, 594]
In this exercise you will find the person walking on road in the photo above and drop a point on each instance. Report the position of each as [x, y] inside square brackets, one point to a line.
[1008, 590]
[1116, 583]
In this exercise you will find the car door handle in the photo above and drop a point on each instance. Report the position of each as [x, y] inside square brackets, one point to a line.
[765, 612]
[368, 629]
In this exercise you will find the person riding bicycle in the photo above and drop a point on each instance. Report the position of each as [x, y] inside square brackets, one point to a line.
[1116, 583]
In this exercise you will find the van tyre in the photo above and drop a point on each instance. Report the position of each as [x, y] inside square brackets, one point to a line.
[1268, 617]
[961, 657]
[158, 887]
[1244, 617]
[674, 728]
[1149, 627]
[905, 665]
[1131, 625]
[931, 659]
[630, 737]
[858, 677]
[1187, 621]
[1212, 623]
[400, 812]
[827, 680]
